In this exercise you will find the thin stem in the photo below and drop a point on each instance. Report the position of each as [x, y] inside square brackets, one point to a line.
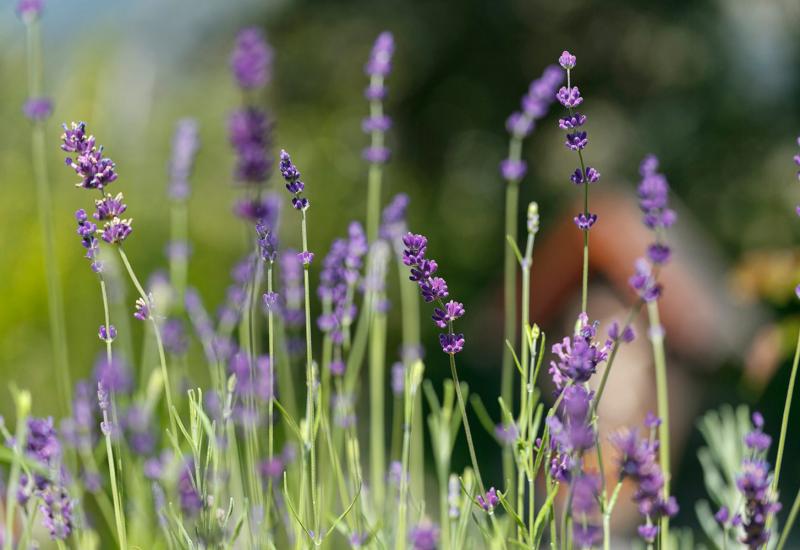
[55, 298]
[785, 421]
[607, 516]
[23, 406]
[157, 331]
[271, 405]
[375, 177]
[119, 518]
[510, 301]
[467, 431]
[377, 390]
[659, 357]
[789, 522]
[408, 408]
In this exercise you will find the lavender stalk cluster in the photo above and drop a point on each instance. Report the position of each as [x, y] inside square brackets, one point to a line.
[653, 194]
[185, 144]
[754, 484]
[637, 462]
[96, 172]
[578, 357]
[377, 123]
[577, 138]
[433, 289]
[571, 433]
[249, 127]
[520, 124]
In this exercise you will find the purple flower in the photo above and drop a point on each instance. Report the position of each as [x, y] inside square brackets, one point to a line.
[137, 424]
[643, 282]
[271, 301]
[638, 462]
[42, 443]
[185, 144]
[28, 10]
[576, 141]
[95, 170]
[56, 509]
[109, 207]
[267, 242]
[648, 532]
[579, 356]
[116, 230]
[38, 108]
[591, 176]
[294, 184]
[250, 132]
[571, 121]
[534, 105]
[114, 375]
[569, 97]
[251, 61]
[451, 343]
[266, 209]
[651, 421]
[190, 500]
[174, 335]
[380, 58]
[567, 60]
[570, 429]
[723, 515]
[757, 440]
[627, 335]
[506, 433]
[658, 253]
[586, 531]
[398, 378]
[513, 170]
[376, 154]
[489, 501]
[653, 190]
[272, 468]
[107, 333]
[424, 536]
[337, 367]
[585, 222]
[393, 219]
[376, 123]
[143, 308]
[306, 257]
[754, 485]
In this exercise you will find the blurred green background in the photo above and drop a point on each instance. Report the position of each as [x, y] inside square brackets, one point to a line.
[712, 87]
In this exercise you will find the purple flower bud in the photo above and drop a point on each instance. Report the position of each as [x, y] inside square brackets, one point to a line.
[658, 253]
[116, 231]
[651, 421]
[271, 301]
[424, 536]
[294, 184]
[251, 61]
[506, 433]
[107, 334]
[569, 97]
[443, 317]
[377, 123]
[38, 108]
[337, 367]
[185, 144]
[648, 533]
[29, 10]
[451, 343]
[306, 257]
[627, 335]
[576, 141]
[142, 309]
[398, 378]
[376, 155]
[513, 170]
[571, 121]
[489, 501]
[109, 207]
[567, 60]
[585, 222]
[380, 59]
[722, 515]
[592, 176]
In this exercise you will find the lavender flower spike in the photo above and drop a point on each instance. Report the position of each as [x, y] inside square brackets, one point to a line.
[185, 144]
[294, 184]
[251, 61]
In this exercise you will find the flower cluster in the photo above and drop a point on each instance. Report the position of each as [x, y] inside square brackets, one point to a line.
[338, 280]
[29, 10]
[294, 184]
[393, 221]
[754, 484]
[653, 190]
[520, 124]
[586, 531]
[570, 97]
[37, 109]
[571, 432]
[637, 462]
[579, 356]
[433, 289]
[376, 125]
[96, 172]
[87, 231]
[490, 500]
[249, 127]
[185, 144]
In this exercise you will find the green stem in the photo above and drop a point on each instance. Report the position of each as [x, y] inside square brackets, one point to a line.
[785, 421]
[271, 405]
[159, 343]
[659, 357]
[789, 522]
[607, 516]
[465, 421]
[375, 170]
[377, 381]
[22, 400]
[510, 302]
[55, 298]
[408, 408]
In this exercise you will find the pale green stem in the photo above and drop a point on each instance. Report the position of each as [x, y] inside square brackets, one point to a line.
[178, 263]
[55, 298]
[375, 170]
[465, 420]
[659, 357]
[377, 390]
[607, 516]
[159, 343]
[23, 405]
[271, 405]
[785, 421]
[789, 522]
[408, 408]
[510, 301]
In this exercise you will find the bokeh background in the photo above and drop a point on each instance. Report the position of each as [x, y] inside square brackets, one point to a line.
[710, 86]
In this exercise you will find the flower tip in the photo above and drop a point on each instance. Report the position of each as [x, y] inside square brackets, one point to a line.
[567, 60]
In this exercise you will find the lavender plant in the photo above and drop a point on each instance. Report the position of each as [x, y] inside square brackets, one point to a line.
[204, 470]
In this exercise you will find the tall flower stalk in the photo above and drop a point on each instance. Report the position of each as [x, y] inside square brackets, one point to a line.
[570, 97]
[520, 124]
[38, 109]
